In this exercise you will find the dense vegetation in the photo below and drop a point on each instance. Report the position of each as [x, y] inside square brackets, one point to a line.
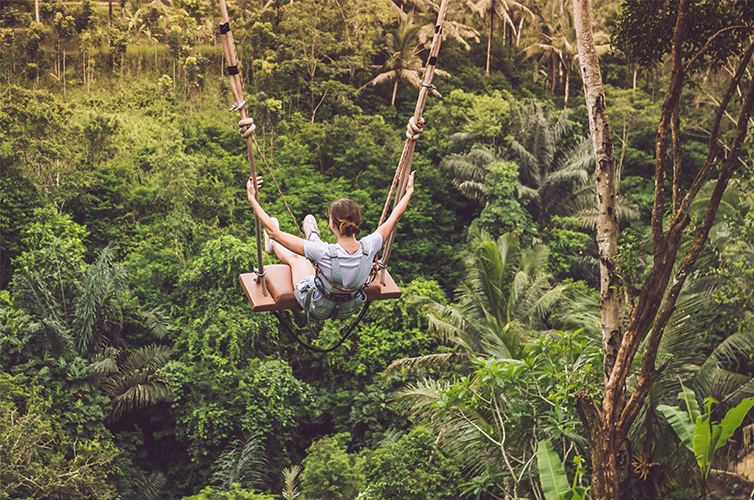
[131, 365]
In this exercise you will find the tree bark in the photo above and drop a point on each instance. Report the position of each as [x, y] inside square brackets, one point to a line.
[600, 422]
[607, 222]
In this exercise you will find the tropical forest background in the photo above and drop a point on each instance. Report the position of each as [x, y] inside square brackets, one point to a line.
[132, 365]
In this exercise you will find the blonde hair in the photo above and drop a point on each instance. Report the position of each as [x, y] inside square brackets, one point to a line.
[346, 215]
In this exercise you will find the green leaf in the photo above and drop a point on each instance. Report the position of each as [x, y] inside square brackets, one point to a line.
[551, 472]
[679, 421]
[733, 420]
[706, 436]
[688, 397]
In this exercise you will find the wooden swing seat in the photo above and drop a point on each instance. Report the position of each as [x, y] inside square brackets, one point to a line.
[280, 289]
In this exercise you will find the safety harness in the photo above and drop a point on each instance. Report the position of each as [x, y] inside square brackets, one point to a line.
[341, 300]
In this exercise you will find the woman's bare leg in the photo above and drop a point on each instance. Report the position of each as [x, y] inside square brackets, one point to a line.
[300, 266]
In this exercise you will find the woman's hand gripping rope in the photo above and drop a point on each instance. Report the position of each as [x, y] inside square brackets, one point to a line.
[252, 189]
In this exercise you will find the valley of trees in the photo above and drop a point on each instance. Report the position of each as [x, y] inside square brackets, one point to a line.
[576, 263]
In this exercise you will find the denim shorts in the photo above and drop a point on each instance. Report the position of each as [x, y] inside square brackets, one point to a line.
[302, 289]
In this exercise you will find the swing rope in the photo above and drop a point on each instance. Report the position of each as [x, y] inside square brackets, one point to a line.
[250, 131]
[236, 88]
[413, 130]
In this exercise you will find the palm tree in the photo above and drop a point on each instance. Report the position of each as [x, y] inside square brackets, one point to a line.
[550, 175]
[426, 11]
[468, 171]
[503, 9]
[403, 61]
[504, 297]
[94, 317]
[137, 382]
[556, 45]
[547, 170]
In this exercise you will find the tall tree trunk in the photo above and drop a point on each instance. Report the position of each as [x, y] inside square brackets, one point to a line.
[600, 424]
[395, 90]
[553, 72]
[489, 40]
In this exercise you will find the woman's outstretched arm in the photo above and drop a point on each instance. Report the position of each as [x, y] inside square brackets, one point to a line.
[289, 241]
[387, 227]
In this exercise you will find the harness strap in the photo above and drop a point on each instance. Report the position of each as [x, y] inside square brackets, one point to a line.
[337, 277]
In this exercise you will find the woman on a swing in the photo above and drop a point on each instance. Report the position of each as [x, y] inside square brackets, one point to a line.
[335, 288]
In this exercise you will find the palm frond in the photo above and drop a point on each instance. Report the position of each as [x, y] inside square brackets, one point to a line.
[103, 363]
[419, 397]
[150, 487]
[411, 76]
[241, 462]
[290, 481]
[426, 361]
[526, 192]
[152, 357]
[625, 212]
[100, 282]
[157, 322]
[134, 391]
[137, 383]
[731, 349]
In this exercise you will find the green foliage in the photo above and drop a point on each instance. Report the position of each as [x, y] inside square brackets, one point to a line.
[16, 335]
[392, 329]
[33, 135]
[481, 117]
[330, 473]
[699, 433]
[411, 469]
[54, 250]
[504, 296]
[498, 407]
[567, 244]
[18, 199]
[234, 493]
[38, 459]
[131, 142]
[553, 477]
[214, 404]
[241, 462]
[503, 212]
[646, 27]
[219, 325]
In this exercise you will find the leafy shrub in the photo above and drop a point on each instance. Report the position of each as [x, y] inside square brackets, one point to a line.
[235, 493]
[411, 469]
[330, 472]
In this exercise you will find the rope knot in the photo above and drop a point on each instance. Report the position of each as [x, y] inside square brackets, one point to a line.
[414, 128]
[246, 127]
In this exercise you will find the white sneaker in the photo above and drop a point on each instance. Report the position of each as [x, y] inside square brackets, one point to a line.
[310, 228]
[269, 242]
